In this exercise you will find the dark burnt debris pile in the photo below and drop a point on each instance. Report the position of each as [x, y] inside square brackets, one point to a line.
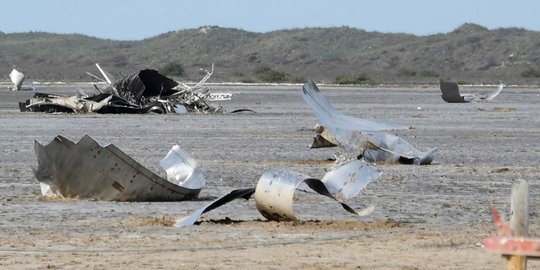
[146, 91]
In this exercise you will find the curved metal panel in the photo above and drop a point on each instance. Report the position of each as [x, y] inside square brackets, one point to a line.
[88, 170]
[450, 93]
[348, 180]
[274, 194]
[17, 78]
[182, 170]
[327, 114]
[359, 135]
[275, 191]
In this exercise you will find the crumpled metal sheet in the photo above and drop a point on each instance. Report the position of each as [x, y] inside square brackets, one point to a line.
[275, 191]
[102, 103]
[42, 102]
[17, 78]
[450, 93]
[87, 170]
[391, 148]
[148, 88]
[365, 137]
[182, 170]
[146, 91]
[142, 85]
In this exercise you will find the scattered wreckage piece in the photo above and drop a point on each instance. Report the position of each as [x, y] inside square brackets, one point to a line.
[324, 110]
[146, 91]
[42, 102]
[276, 187]
[87, 170]
[148, 88]
[140, 87]
[361, 136]
[450, 93]
[101, 103]
[17, 78]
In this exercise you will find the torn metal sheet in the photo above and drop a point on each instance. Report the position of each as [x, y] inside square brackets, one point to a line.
[87, 170]
[324, 110]
[42, 102]
[17, 78]
[366, 138]
[182, 169]
[345, 181]
[275, 191]
[148, 87]
[450, 93]
[140, 87]
[101, 103]
[387, 147]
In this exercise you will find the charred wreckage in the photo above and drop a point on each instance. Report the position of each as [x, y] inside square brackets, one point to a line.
[145, 91]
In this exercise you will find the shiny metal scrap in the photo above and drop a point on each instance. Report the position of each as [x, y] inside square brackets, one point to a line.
[88, 170]
[364, 137]
[276, 187]
[450, 93]
[17, 78]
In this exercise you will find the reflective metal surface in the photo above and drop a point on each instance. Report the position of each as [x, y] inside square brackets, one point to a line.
[17, 78]
[275, 191]
[450, 93]
[364, 137]
[87, 170]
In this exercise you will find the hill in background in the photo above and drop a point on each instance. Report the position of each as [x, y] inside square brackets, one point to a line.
[469, 54]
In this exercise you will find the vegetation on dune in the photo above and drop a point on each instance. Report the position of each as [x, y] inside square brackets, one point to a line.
[267, 74]
[531, 73]
[362, 78]
[341, 55]
[172, 69]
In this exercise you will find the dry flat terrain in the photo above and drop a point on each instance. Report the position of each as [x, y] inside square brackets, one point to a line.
[426, 217]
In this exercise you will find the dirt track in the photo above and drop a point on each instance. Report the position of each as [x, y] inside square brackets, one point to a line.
[427, 217]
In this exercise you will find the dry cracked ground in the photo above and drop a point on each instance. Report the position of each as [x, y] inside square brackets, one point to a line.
[426, 217]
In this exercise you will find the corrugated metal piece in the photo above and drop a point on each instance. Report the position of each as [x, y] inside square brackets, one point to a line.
[88, 170]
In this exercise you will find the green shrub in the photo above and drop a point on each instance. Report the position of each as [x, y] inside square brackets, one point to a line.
[531, 73]
[173, 69]
[427, 73]
[361, 78]
[406, 72]
[267, 74]
[247, 80]
[298, 79]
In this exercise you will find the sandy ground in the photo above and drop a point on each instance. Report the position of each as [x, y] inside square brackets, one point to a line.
[426, 217]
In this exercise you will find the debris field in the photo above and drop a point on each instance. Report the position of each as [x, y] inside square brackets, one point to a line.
[425, 217]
